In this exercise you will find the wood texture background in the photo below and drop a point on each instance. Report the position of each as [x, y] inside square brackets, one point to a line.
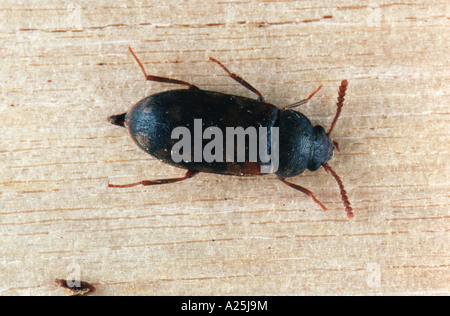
[65, 68]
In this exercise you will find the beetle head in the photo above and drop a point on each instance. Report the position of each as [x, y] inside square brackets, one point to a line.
[323, 146]
[348, 208]
[322, 149]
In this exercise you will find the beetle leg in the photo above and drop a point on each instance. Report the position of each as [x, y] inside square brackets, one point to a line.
[239, 79]
[302, 189]
[302, 101]
[161, 79]
[188, 175]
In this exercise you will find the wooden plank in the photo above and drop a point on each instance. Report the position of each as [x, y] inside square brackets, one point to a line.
[66, 68]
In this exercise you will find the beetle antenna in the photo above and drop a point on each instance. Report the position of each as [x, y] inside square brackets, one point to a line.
[344, 196]
[340, 103]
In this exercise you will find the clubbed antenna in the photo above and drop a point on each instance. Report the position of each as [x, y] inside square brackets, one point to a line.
[348, 208]
[340, 103]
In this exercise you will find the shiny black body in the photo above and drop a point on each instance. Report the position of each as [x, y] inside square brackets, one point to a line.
[151, 122]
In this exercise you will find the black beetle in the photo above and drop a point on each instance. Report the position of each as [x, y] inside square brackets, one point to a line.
[302, 145]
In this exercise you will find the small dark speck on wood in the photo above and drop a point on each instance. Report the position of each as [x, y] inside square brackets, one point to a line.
[84, 289]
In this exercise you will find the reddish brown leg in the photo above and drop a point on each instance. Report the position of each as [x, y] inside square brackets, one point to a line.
[239, 79]
[188, 175]
[342, 89]
[336, 145]
[161, 79]
[344, 197]
[302, 101]
[302, 189]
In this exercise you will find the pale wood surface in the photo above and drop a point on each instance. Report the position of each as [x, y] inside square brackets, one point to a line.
[65, 68]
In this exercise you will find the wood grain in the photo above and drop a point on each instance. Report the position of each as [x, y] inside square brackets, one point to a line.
[65, 69]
